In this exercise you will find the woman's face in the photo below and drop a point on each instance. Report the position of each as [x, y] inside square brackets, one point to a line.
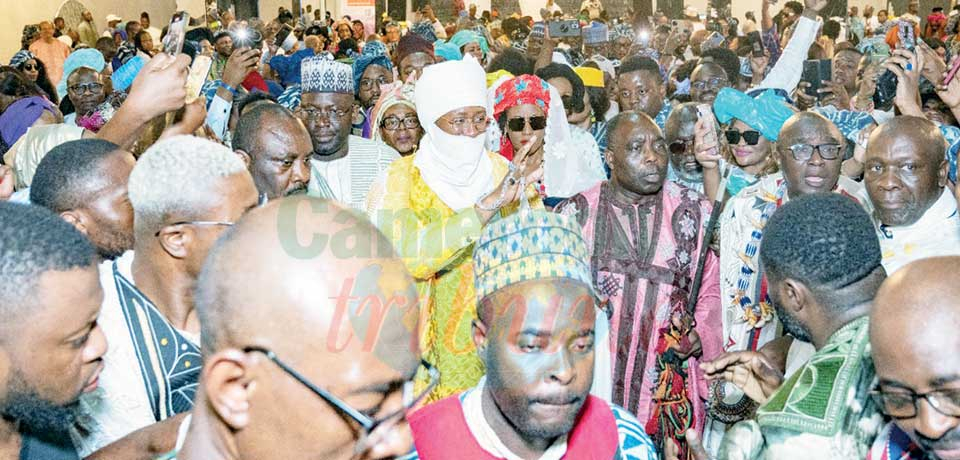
[146, 41]
[474, 49]
[404, 139]
[31, 69]
[525, 116]
[344, 31]
[748, 156]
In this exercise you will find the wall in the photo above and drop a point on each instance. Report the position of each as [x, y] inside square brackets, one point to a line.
[17, 13]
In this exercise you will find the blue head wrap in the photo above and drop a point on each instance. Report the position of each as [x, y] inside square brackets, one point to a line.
[362, 62]
[87, 57]
[767, 112]
[425, 30]
[468, 36]
[448, 51]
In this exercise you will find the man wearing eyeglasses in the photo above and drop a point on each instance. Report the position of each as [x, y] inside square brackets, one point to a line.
[913, 340]
[343, 166]
[85, 89]
[184, 191]
[303, 370]
[823, 274]
[535, 333]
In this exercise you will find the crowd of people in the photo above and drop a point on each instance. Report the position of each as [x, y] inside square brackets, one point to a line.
[488, 237]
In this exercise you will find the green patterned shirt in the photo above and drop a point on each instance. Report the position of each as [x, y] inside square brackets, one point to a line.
[822, 411]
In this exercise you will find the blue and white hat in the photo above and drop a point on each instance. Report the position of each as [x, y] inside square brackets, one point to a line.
[320, 74]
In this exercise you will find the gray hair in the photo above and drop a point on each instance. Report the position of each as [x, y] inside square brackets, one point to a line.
[169, 176]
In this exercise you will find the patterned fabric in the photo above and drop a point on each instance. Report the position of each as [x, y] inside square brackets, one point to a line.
[525, 89]
[766, 113]
[823, 411]
[216, 68]
[413, 43]
[588, 440]
[529, 246]
[20, 57]
[936, 233]
[599, 131]
[644, 256]
[151, 369]
[747, 315]
[894, 444]
[663, 114]
[288, 67]
[348, 179]
[319, 74]
[436, 244]
[623, 30]
[425, 30]
[290, 98]
[391, 94]
[952, 135]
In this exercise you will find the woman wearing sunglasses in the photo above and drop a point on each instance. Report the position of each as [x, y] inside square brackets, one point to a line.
[528, 108]
[36, 72]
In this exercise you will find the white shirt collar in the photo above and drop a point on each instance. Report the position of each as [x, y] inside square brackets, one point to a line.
[485, 436]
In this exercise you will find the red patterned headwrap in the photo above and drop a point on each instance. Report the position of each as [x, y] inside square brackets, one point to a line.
[525, 89]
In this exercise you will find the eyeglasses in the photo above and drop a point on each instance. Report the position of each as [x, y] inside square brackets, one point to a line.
[410, 400]
[903, 404]
[479, 123]
[312, 113]
[680, 146]
[713, 83]
[84, 87]
[367, 83]
[804, 152]
[750, 137]
[518, 123]
[393, 123]
[31, 67]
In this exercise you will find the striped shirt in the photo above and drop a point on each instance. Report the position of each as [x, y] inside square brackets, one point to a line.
[348, 179]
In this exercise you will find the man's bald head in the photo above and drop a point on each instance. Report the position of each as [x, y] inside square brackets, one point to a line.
[305, 287]
[905, 169]
[276, 276]
[913, 338]
[637, 154]
[805, 123]
[810, 171]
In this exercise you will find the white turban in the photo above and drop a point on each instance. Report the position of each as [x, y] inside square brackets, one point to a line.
[447, 86]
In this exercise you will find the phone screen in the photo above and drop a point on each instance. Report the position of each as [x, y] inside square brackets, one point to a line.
[176, 34]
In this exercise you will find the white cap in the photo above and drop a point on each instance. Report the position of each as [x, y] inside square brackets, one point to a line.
[113, 17]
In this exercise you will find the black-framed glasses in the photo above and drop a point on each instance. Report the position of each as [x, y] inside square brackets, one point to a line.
[81, 88]
[410, 400]
[713, 83]
[518, 123]
[750, 137]
[392, 123]
[368, 83]
[330, 113]
[804, 152]
[903, 403]
[680, 146]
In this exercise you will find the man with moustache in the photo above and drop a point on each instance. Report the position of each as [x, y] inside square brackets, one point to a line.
[535, 334]
[343, 166]
[913, 336]
[905, 172]
[51, 345]
[823, 274]
[645, 238]
[276, 148]
[86, 91]
[85, 182]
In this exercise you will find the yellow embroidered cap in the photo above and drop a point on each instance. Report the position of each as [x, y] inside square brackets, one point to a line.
[530, 245]
[591, 77]
[492, 77]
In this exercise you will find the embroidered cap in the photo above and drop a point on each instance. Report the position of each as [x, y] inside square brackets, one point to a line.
[530, 246]
[320, 74]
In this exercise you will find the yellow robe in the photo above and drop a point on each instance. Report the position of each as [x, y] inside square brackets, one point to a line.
[436, 244]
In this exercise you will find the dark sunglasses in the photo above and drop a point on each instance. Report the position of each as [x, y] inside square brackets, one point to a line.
[679, 147]
[31, 67]
[536, 123]
[751, 137]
